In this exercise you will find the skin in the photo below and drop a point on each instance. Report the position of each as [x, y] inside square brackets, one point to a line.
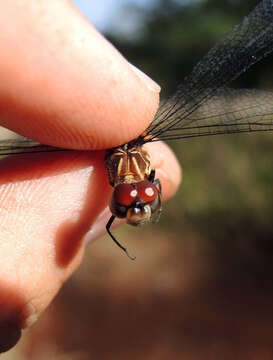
[62, 84]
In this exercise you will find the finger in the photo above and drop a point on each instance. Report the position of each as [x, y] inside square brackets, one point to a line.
[63, 84]
[48, 203]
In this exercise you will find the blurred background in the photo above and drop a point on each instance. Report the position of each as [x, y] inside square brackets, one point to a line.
[201, 287]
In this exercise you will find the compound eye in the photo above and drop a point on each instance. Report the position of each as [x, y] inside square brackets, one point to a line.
[125, 194]
[147, 191]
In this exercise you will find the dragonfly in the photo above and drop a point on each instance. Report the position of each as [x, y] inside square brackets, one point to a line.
[203, 105]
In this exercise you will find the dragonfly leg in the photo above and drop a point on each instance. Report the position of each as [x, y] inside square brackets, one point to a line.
[159, 212]
[108, 225]
[155, 181]
[152, 176]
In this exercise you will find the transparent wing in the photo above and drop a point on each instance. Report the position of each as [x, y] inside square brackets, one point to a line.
[202, 105]
[22, 146]
[248, 42]
[228, 111]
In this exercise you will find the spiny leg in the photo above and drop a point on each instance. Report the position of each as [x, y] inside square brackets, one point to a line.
[152, 176]
[108, 225]
[159, 212]
[156, 182]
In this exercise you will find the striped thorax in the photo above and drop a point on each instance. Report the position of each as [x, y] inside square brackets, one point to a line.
[127, 165]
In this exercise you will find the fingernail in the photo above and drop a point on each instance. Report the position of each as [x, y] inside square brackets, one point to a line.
[98, 227]
[32, 316]
[151, 84]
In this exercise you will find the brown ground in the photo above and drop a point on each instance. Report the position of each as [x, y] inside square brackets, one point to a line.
[173, 302]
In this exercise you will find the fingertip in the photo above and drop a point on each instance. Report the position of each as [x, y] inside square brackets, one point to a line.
[84, 93]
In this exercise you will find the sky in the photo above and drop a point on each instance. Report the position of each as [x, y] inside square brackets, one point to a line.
[115, 15]
[107, 13]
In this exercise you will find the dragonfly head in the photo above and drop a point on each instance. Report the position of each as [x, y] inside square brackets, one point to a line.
[135, 202]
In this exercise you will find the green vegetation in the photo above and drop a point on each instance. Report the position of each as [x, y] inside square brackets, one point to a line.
[227, 192]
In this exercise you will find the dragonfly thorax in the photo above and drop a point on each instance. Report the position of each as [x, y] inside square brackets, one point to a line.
[127, 165]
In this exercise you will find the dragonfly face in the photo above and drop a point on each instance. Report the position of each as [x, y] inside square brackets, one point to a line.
[203, 105]
[135, 202]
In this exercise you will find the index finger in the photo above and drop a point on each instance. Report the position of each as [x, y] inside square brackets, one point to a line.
[65, 85]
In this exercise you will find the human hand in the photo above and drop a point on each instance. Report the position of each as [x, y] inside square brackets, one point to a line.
[61, 84]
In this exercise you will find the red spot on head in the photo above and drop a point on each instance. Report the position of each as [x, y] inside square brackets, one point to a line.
[125, 194]
[147, 191]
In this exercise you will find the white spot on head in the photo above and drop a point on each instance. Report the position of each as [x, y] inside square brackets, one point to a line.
[133, 193]
[149, 191]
